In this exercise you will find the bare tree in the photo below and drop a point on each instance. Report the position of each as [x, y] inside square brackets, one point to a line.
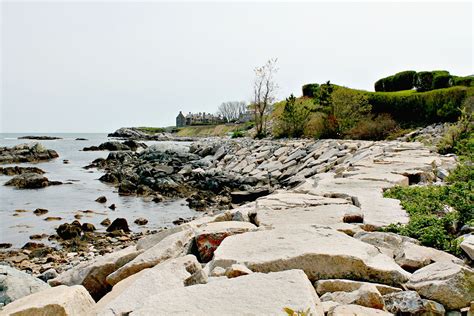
[264, 91]
[232, 110]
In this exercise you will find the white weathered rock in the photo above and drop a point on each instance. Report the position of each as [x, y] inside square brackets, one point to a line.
[254, 294]
[319, 251]
[447, 283]
[412, 257]
[338, 285]
[170, 247]
[468, 246]
[356, 310]
[367, 295]
[404, 302]
[128, 294]
[150, 241]
[59, 300]
[15, 284]
[388, 243]
[92, 274]
[218, 272]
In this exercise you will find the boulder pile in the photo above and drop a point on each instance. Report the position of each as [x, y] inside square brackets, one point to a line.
[34, 152]
[289, 251]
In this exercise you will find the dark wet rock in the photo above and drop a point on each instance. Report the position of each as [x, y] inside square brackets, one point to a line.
[40, 211]
[34, 152]
[112, 206]
[158, 198]
[248, 196]
[65, 161]
[41, 252]
[87, 227]
[105, 222]
[52, 218]
[39, 137]
[30, 181]
[32, 245]
[38, 236]
[141, 221]
[68, 231]
[117, 146]
[80, 138]
[353, 217]
[5, 245]
[101, 199]
[119, 224]
[12, 171]
[180, 221]
[144, 190]
[127, 187]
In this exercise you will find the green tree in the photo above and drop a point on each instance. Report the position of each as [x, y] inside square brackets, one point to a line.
[347, 108]
[294, 118]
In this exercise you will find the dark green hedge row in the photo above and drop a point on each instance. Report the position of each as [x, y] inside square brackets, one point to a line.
[422, 81]
[310, 89]
[400, 81]
[409, 106]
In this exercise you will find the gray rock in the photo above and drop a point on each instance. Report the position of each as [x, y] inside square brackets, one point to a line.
[15, 284]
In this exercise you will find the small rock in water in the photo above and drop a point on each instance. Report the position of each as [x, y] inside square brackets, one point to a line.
[87, 227]
[112, 207]
[105, 222]
[65, 161]
[119, 224]
[101, 199]
[5, 245]
[53, 218]
[179, 221]
[38, 236]
[69, 231]
[80, 138]
[40, 211]
[141, 221]
[158, 198]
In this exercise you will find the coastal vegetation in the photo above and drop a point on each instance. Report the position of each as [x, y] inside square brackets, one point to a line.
[404, 100]
[438, 214]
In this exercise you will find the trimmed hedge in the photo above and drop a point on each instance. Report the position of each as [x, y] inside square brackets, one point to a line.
[422, 107]
[309, 90]
[463, 81]
[400, 81]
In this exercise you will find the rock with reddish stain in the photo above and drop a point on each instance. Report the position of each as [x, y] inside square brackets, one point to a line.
[210, 236]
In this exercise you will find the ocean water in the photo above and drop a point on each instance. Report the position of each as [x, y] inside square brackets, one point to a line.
[69, 199]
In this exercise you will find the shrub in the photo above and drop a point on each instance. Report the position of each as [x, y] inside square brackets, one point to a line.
[315, 126]
[400, 81]
[424, 81]
[291, 116]
[463, 81]
[442, 81]
[404, 80]
[377, 128]
[237, 133]
[310, 89]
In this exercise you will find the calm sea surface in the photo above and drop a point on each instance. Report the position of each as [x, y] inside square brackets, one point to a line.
[66, 200]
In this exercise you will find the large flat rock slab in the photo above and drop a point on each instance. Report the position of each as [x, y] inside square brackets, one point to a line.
[60, 300]
[321, 252]
[129, 294]
[254, 294]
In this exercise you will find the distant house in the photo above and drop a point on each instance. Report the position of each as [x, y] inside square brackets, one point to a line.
[180, 120]
[200, 118]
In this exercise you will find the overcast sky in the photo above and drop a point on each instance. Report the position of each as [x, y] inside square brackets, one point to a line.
[94, 67]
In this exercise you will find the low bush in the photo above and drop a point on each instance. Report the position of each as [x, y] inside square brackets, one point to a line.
[400, 81]
[237, 134]
[371, 128]
[424, 81]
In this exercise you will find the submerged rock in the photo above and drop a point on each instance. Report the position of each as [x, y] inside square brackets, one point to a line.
[119, 224]
[11, 171]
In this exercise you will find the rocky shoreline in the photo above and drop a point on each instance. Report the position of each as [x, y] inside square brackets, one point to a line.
[309, 242]
[133, 133]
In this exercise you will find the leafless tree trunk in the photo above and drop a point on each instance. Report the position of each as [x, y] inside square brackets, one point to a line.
[232, 110]
[264, 91]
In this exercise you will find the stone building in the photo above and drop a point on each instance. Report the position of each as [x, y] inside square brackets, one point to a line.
[180, 120]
